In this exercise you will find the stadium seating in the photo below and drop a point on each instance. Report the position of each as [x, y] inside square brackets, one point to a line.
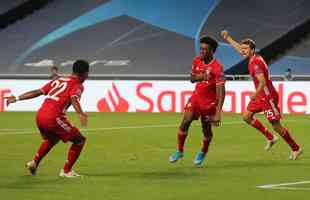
[130, 47]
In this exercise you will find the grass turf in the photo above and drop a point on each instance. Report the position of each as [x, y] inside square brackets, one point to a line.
[126, 157]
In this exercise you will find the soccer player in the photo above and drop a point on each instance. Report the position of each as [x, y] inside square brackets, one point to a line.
[265, 98]
[206, 101]
[51, 120]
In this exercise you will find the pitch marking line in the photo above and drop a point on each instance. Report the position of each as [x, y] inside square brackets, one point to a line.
[283, 186]
[30, 131]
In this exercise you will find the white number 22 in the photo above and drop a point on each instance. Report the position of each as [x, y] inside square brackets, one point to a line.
[57, 88]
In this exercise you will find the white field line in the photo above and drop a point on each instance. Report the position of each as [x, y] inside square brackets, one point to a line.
[86, 130]
[29, 131]
[283, 186]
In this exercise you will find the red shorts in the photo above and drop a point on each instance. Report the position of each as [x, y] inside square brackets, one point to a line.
[199, 107]
[269, 107]
[56, 127]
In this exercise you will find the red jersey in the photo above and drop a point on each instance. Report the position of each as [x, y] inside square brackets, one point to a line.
[206, 90]
[58, 95]
[257, 65]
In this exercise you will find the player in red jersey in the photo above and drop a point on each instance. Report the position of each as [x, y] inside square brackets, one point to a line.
[206, 101]
[51, 120]
[265, 98]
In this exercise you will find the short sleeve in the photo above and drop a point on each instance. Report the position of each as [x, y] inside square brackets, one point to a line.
[46, 88]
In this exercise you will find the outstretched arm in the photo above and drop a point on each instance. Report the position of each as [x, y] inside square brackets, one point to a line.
[231, 41]
[27, 95]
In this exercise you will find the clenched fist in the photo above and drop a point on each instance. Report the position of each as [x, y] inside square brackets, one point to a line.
[225, 34]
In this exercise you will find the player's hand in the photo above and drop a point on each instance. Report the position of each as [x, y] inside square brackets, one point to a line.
[216, 119]
[10, 99]
[224, 34]
[83, 119]
[253, 96]
[206, 75]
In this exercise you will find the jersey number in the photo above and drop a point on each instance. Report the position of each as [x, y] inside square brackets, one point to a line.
[57, 88]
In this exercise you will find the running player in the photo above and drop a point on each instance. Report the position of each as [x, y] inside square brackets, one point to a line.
[265, 98]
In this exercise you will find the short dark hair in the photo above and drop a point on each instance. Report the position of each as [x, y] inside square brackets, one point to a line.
[209, 41]
[80, 67]
[249, 42]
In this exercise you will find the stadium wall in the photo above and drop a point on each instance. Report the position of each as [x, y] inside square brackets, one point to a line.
[157, 96]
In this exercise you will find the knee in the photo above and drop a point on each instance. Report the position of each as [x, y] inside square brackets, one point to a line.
[278, 128]
[207, 133]
[80, 140]
[208, 136]
[247, 118]
[185, 124]
[52, 140]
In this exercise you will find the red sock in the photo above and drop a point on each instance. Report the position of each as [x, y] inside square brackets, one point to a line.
[73, 155]
[289, 140]
[44, 148]
[181, 140]
[205, 144]
[261, 128]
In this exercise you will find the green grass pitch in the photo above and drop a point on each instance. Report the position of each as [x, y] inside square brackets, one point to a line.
[126, 157]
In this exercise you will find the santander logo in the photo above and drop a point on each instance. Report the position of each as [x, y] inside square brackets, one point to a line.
[113, 102]
[156, 96]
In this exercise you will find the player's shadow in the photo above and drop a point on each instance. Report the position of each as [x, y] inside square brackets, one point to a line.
[258, 164]
[32, 182]
[182, 172]
[154, 174]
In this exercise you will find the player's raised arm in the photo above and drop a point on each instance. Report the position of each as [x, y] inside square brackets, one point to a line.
[231, 41]
[77, 107]
[27, 95]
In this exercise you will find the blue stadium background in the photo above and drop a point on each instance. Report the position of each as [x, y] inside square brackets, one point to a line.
[144, 37]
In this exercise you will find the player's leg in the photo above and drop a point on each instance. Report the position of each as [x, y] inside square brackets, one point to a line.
[188, 117]
[46, 145]
[207, 138]
[248, 117]
[49, 141]
[284, 133]
[66, 132]
[74, 152]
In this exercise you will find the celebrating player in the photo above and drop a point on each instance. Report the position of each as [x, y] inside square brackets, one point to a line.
[206, 101]
[265, 98]
[51, 120]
